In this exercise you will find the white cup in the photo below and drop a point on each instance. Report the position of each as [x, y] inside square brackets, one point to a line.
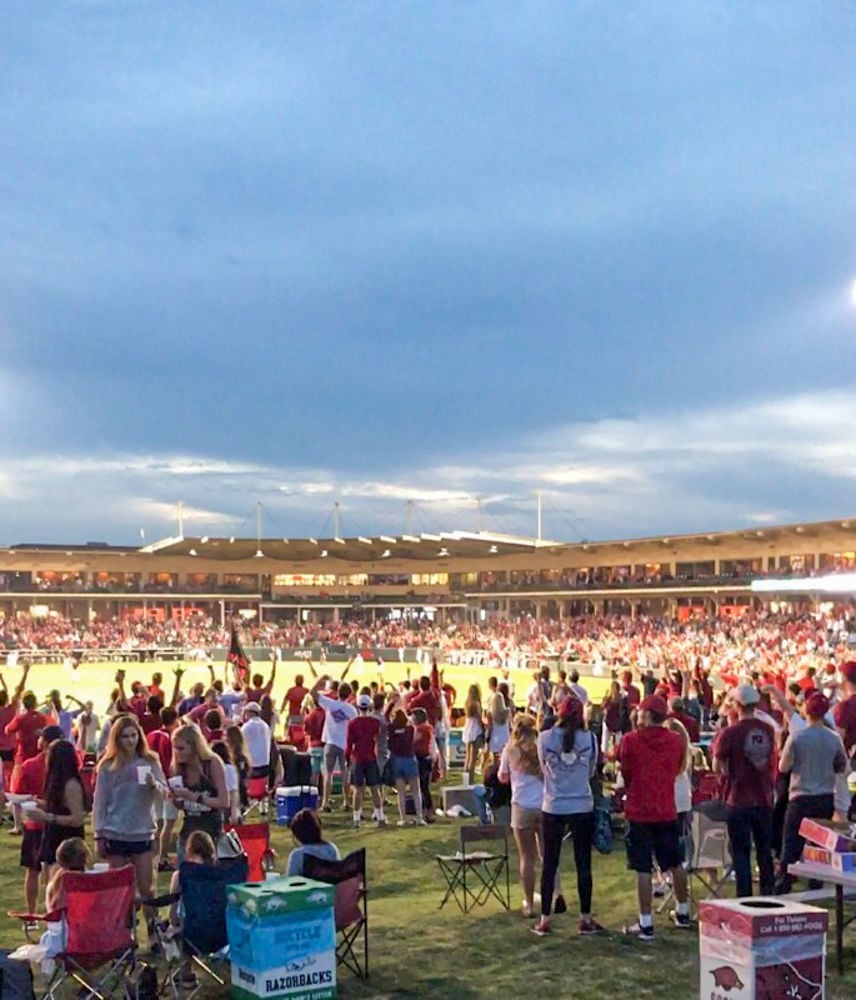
[272, 876]
[851, 782]
[101, 866]
[143, 772]
[176, 781]
[28, 806]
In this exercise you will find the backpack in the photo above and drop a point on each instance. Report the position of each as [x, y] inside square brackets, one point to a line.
[16, 979]
[602, 828]
[145, 986]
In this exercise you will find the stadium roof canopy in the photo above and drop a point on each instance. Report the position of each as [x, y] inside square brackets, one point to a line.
[425, 546]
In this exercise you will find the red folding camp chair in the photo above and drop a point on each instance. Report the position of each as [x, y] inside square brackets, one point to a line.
[99, 933]
[255, 838]
[258, 795]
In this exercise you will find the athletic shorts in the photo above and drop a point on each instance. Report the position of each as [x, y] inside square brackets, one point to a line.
[126, 848]
[525, 819]
[648, 841]
[334, 757]
[365, 774]
[316, 759]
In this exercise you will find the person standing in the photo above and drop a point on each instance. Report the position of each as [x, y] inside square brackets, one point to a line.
[568, 756]
[744, 754]
[125, 809]
[845, 722]
[814, 756]
[361, 756]
[337, 714]
[651, 758]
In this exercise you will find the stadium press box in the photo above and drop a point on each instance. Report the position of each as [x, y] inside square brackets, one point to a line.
[282, 939]
[829, 834]
[761, 947]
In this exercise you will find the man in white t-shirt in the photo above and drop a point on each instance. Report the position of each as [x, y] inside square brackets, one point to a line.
[338, 712]
[257, 737]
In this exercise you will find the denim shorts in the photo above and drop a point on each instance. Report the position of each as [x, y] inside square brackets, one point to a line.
[404, 768]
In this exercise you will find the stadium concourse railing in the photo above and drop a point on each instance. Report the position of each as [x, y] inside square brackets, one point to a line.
[409, 655]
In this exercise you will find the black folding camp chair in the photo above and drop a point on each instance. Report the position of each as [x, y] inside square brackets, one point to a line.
[351, 906]
[474, 876]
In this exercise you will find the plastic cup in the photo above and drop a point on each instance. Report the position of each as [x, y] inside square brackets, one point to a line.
[851, 782]
[176, 781]
[101, 866]
[143, 772]
[28, 806]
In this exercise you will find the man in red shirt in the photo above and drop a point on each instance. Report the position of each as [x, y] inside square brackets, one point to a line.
[629, 689]
[160, 740]
[845, 722]
[678, 711]
[651, 758]
[26, 727]
[292, 703]
[361, 756]
[423, 697]
[744, 754]
[29, 779]
[9, 708]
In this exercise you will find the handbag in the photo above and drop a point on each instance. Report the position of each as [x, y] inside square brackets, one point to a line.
[228, 845]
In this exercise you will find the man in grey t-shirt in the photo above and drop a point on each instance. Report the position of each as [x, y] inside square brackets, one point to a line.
[813, 755]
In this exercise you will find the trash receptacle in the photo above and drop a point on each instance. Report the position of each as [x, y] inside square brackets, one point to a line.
[282, 939]
[760, 947]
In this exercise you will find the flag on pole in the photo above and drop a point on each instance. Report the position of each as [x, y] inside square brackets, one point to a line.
[236, 656]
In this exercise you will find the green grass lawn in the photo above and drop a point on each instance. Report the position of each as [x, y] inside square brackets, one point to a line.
[420, 951]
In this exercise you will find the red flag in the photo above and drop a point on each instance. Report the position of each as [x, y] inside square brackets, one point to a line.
[236, 656]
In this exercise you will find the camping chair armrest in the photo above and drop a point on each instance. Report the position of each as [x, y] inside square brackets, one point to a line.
[159, 902]
[29, 918]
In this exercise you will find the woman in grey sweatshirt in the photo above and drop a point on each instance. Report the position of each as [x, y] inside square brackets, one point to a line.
[129, 784]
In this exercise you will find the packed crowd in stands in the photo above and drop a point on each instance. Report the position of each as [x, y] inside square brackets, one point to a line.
[776, 697]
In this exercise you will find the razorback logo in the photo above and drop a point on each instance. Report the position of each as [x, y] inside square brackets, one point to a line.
[725, 978]
[783, 982]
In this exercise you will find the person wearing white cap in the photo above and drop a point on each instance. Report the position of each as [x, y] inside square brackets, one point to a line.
[361, 757]
[257, 736]
[744, 754]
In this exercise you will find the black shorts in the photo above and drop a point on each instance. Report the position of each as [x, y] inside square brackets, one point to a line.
[53, 836]
[31, 849]
[647, 841]
[365, 774]
[125, 848]
[7, 755]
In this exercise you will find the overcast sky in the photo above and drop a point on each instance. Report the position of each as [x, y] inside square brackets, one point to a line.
[298, 253]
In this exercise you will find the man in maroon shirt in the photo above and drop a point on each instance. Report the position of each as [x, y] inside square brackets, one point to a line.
[26, 727]
[361, 756]
[651, 758]
[629, 689]
[744, 754]
[678, 711]
[9, 708]
[423, 697]
[160, 740]
[292, 703]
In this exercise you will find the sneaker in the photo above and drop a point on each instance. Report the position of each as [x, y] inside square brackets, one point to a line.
[660, 890]
[421, 821]
[542, 928]
[401, 822]
[639, 932]
[528, 909]
[560, 906]
[680, 919]
[589, 927]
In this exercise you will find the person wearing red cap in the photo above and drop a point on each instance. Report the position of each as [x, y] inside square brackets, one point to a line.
[814, 755]
[744, 754]
[651, 758]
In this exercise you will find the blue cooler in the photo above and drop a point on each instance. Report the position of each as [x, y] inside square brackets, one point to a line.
[309, 797]
[287, 804]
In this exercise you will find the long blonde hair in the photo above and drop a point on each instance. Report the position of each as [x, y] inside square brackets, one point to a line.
[678, 727]
[523, 747]
[473, 705]
[188, 733]
[115, 756]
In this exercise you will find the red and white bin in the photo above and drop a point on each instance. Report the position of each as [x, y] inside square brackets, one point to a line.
[761, 948]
